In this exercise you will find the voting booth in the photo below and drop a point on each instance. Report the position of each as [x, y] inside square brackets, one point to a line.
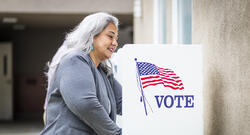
[162, 89]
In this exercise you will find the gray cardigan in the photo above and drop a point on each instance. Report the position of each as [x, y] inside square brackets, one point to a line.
[82, 100]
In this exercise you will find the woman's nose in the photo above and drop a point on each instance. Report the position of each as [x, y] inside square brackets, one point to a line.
[115, 42]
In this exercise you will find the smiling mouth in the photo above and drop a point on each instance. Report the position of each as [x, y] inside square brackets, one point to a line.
[111, 49]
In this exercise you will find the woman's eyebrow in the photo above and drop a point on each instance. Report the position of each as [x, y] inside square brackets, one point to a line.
[112, 32]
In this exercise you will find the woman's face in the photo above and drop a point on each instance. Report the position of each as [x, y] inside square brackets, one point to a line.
[105, 42]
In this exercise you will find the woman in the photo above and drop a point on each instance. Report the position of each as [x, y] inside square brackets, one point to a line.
[83, 98]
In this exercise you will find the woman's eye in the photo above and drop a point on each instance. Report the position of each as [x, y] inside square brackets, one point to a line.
[110, 36]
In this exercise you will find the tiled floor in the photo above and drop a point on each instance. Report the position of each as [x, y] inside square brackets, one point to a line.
[21, 128]
[31, 127]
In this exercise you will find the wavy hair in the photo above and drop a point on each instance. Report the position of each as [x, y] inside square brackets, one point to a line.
[81, 38]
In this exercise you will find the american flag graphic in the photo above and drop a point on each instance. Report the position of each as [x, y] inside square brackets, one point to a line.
[151, 75]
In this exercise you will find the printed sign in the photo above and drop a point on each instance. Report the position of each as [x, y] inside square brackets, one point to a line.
[162, 89]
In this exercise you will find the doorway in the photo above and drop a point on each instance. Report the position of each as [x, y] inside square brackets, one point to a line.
[6, 81]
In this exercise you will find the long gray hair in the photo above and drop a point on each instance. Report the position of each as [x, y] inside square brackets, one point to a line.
[81, 38]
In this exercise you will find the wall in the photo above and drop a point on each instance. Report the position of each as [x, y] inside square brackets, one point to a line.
[32, 48]
[66, 6]
[223, 28]
[143, 26]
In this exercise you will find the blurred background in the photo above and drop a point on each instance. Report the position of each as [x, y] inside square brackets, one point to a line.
[32, 30]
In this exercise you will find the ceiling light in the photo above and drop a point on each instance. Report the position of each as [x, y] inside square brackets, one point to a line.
[18, 27]
[9, 20]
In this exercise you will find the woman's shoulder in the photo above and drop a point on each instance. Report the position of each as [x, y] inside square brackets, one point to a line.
[75, 55]
[74, 62]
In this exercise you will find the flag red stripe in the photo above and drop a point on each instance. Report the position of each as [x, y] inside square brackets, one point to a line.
[153, 84]
[160, 80]
[167, 78]
[164, 68]
[157, 76]
[145, 82]
[162, 77]
[170, 79]
[175, 88]
[166, 71]
[170, 75]
[149, 77]
[174, 77]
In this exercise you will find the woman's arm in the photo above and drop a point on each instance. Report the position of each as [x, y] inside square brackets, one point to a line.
[78, 90]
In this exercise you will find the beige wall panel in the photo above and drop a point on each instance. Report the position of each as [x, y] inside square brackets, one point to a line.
[223, 28]
[169, 21]
[66, 6]
[143, 26]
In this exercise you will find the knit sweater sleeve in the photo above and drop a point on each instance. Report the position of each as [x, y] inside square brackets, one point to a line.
[77, 87]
